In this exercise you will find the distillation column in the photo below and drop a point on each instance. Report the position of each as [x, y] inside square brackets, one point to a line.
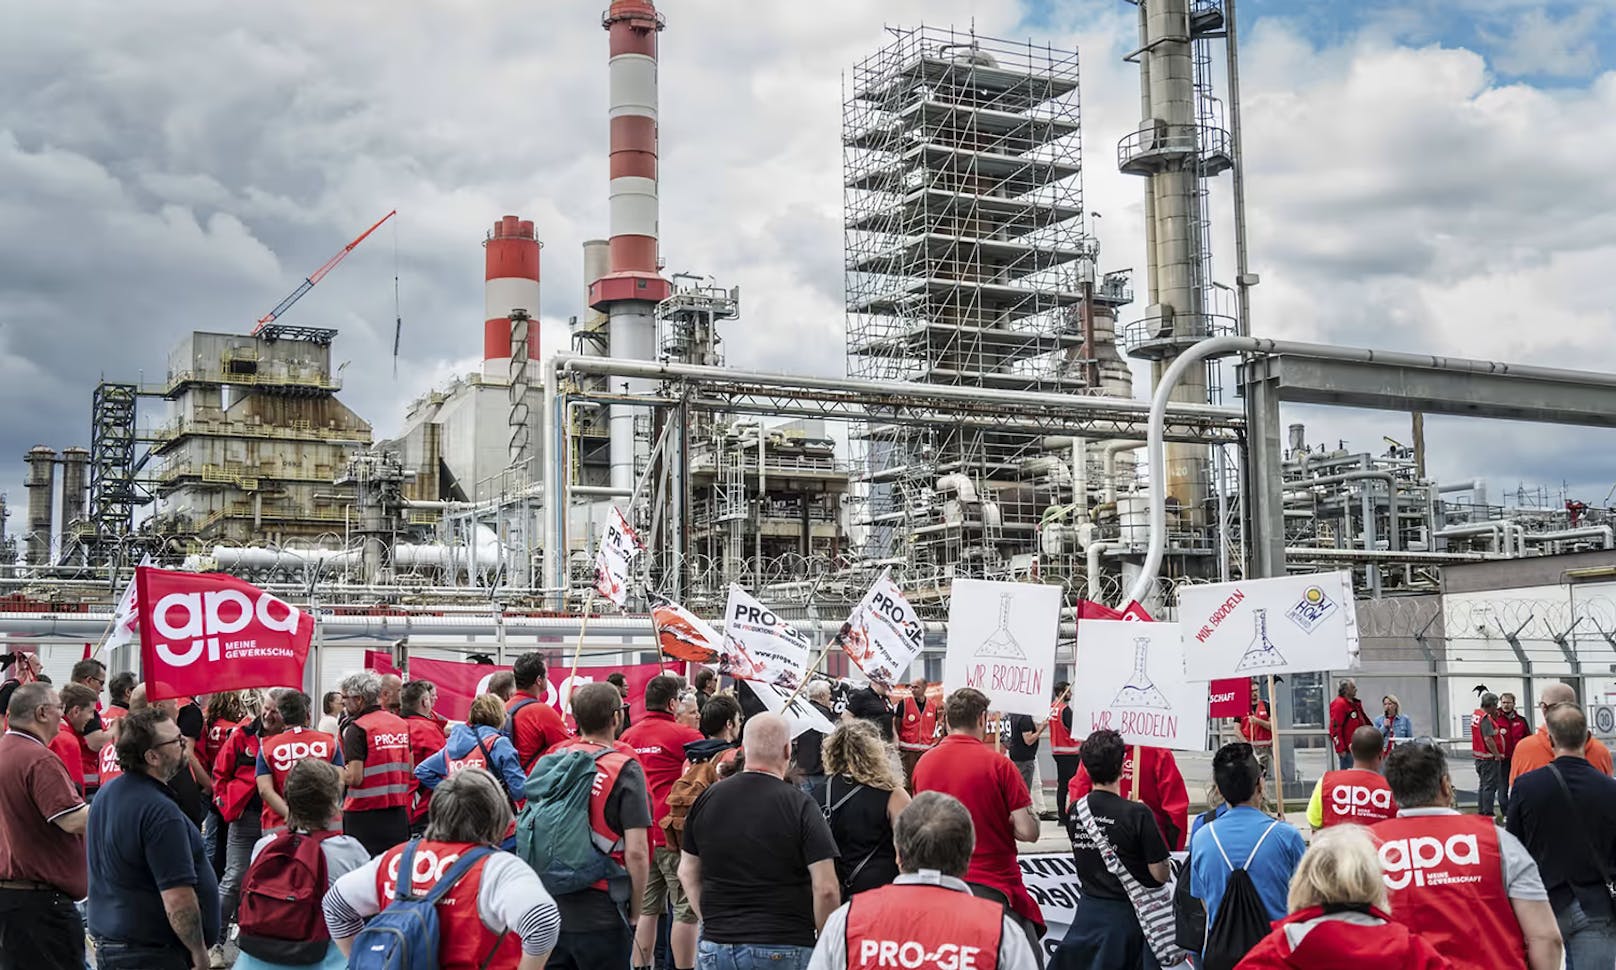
[1166, 152]
[40, 483]
[633, 286]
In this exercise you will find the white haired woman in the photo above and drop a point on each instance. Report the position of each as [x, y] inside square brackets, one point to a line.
[1338, 914]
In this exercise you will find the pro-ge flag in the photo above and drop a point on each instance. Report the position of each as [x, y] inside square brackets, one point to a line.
[206, 632]
[883, 635]
[683, 635]
[618, 547]
[758, 645]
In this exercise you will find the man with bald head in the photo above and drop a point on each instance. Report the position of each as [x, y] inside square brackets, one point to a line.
[1358, 795]
[1536, 751]
[392, 694]
[758, 861]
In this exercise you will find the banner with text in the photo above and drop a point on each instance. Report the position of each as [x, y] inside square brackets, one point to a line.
[1052, 882]
[1258, 627]
[459, 682]
[206, 632]
[1001, 641]
[618, 547]
[1132, 681]
[759, 645]
[884, 635]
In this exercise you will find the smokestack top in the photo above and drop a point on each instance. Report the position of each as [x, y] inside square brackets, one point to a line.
[512, 227]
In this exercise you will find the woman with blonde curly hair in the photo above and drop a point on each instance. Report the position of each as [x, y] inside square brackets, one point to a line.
[862, 797]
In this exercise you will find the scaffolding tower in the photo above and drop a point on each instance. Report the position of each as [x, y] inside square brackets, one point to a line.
[967, 263]
[113, 491]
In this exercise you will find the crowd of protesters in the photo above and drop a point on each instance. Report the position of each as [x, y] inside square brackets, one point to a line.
[165, 834]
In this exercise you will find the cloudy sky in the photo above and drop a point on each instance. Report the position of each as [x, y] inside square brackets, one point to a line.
[1424, 175]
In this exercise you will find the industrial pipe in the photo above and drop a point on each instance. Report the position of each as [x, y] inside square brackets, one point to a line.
[1224, 346]
[1499, 529]
[1583, 532]
[1394, 540]
[1094, 551]
[1112, 449]
[667, 370]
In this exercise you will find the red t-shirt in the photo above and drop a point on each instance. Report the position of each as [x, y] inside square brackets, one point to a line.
[34, 791]
[659, 742]
[66, 746]
[991, 788]
[535, 729]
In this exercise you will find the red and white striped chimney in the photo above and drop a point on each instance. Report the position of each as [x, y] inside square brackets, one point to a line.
[633, 26]
[512, 282]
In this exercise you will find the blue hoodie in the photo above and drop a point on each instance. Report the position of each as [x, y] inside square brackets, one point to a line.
[462, 742]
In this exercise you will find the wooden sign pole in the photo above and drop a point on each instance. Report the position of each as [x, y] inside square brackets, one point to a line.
[1273, 730]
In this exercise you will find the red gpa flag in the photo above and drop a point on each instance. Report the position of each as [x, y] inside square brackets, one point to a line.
[206, 632]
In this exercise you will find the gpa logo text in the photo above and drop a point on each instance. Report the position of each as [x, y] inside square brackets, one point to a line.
[210, 616]
[1425, 860]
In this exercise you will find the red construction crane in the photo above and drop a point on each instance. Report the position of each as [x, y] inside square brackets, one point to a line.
[318, 275]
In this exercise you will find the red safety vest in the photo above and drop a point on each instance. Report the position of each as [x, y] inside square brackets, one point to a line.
[917, 729]
[426, 739]
[113, 712]
[1061, 740]
[473, 759]
[235, 771]
[286, 749]
[213, 738]
[1356, 796]
[922, 926]
[65, 746]
[89, 761]
[464, 941]
[388, 769]
[607, 770]
[110, 768]
[1445, 875]
[1478, 746]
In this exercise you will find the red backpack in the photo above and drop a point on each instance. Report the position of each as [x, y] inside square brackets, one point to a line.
[279, 915]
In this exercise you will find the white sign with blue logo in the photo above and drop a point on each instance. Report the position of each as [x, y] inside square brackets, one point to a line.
[1258, 627]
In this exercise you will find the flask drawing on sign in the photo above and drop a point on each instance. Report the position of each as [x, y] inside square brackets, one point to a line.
[1260, 653]
[1001, 643]
[1140, 691]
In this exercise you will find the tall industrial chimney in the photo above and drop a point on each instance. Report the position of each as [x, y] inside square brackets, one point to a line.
[629, 293]
[512, 282]
[75, 480]
[40, 484]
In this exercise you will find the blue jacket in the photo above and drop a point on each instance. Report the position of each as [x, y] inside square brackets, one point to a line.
[462, 742]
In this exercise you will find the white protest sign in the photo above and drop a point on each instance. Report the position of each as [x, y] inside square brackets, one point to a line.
[618, 547]
[800, 715]
[1131, 680]
[884, 634]
[1258, 627]
[760, 646]
[1001, 641]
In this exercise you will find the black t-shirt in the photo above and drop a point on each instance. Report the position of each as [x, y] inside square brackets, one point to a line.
[187, 790]
[627, 807]
[862, 831]
[1020, 750]
[810, 745]
[1131, 829]
[756, 836]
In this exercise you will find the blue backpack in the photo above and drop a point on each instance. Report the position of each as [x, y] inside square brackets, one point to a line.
[404, 936]
[553, 834]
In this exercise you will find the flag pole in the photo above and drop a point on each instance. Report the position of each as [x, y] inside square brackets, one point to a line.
[1273, 740]
[1138, 762]
[807, 674]
[578, 651]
